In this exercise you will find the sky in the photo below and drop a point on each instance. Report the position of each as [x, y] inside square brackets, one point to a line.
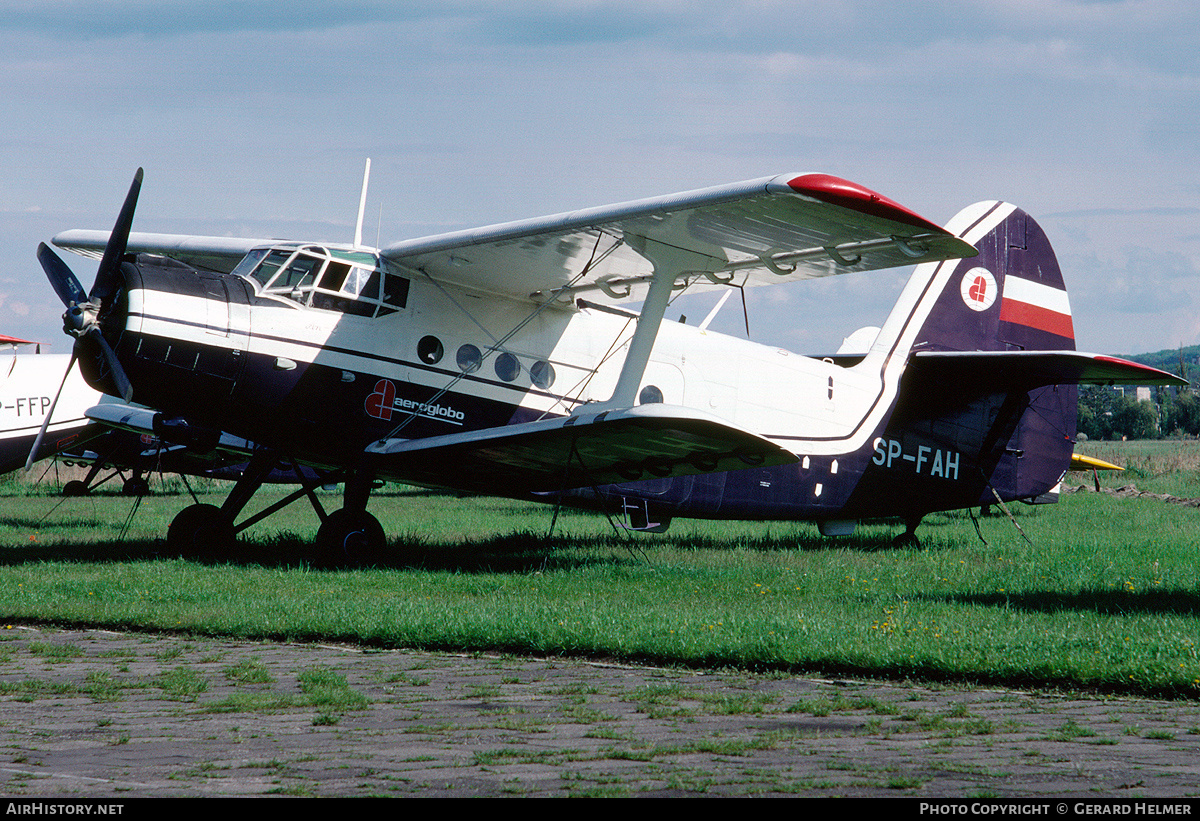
[255, 119]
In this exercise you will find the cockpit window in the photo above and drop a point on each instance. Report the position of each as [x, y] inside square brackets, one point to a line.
[335, 275]
[362, 282]
[395, 292]
[351, 282]
[301, 272]
[271, 260]
[248, 262]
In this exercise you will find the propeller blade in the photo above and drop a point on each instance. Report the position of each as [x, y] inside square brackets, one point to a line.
[108, 274]
[124, 387]
[61, 278]
[37, 442]
[120, 379]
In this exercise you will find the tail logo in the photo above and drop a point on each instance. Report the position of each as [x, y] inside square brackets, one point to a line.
[978, 289]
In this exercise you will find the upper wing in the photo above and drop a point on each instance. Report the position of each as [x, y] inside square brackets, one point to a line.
[1026, 370]
[219, 254]
[774, 229]
[648, 441]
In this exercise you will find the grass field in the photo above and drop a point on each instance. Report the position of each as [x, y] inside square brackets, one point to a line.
[1102, 595]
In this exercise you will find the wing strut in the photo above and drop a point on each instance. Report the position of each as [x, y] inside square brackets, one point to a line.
[669, 263]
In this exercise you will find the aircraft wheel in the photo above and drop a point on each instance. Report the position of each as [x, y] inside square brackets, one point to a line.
[349, 538]
[135, 486]
[75, 488]
[198, 531]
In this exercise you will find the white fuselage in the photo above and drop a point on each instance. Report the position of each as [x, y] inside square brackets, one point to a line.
[28, 383]
[812, 406]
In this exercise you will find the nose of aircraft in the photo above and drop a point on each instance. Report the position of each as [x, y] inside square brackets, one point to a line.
[86, 311]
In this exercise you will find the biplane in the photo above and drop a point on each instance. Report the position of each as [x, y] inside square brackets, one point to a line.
[504, 360]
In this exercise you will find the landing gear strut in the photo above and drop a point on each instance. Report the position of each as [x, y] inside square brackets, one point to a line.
[347, 537]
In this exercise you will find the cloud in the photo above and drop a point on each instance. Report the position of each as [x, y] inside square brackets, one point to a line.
[256, 117]
[97, 19]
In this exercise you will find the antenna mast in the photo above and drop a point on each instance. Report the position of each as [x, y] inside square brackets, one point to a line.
[362, 205]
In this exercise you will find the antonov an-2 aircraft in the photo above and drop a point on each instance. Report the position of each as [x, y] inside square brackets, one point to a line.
[496, 361]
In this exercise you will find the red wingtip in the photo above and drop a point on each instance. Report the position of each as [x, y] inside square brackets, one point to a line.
[836, 191]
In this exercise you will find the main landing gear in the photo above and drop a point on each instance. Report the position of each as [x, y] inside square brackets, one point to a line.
[351, 536]
[135, 484]
[347, 537]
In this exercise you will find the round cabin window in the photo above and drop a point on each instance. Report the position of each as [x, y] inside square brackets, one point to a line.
[542, 374]
[469, 358]
[508, 367]
[430, 350]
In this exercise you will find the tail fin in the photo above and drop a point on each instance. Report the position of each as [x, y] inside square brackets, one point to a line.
[1009, 297]
[984, 351]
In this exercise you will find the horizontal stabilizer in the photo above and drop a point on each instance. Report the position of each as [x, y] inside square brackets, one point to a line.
[645, 442]
[1026, 370]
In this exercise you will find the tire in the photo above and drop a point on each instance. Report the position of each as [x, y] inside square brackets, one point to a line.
[349, 538]
[200, 531]
[75, 488]
[135, 487]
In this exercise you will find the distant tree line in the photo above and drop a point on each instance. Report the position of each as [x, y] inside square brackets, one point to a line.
[1107, 414]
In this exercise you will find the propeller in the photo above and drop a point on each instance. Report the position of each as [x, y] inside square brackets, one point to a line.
[85, 311]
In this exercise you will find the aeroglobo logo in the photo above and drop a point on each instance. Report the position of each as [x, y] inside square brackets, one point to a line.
[379, 402]
[978, 289]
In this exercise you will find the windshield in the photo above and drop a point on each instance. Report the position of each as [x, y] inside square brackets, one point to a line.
[352, 282]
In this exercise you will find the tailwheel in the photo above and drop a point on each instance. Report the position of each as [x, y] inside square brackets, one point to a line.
[908, 539]
[200, 531]
[349, 538]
